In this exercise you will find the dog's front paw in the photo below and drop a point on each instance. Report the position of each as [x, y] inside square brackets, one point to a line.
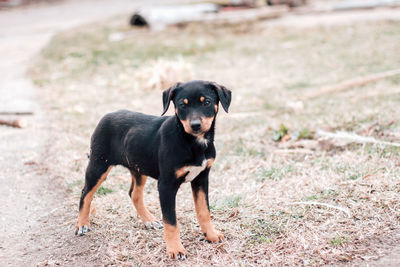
[176, 252]
[214, 236]
[81, 230]
[153, 225]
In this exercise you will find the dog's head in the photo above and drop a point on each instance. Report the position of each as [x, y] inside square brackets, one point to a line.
[196, 104]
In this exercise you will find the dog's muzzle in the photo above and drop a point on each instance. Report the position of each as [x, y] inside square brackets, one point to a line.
[195, 125]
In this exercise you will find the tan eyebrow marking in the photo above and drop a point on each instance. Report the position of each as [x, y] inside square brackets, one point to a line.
[202, 98]
[185, 101]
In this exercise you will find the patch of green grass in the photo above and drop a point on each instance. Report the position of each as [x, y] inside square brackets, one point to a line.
[325, 194]
[256, 153]
[262, 231]
[239, 147]
[281, 132]
[269, 106]
[355, 176]
[338, 241]
[103, 190]
[330, 192]
[124, 187]
[231, 201]
[275, 173]
[297, 216]
[213, 206]
[341, 168]
[311, 197]
[128, 258]
[389, 151]
[243, 147]
[41, 82]
[113, 210]
[303, 134]
[75, 187]
[298, 85]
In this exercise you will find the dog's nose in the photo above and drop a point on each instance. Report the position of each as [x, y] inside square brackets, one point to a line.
[195, 125]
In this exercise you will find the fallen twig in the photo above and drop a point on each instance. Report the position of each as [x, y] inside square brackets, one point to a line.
[16, 113]
[349, 84]
[221, 245]
[247, 15]
[158, 18]
[352, 137]
[14, 123]
[345, 210]
[297, 150]
[354, 5]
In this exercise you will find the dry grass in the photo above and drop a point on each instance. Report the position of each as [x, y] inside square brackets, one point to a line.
[255, 191]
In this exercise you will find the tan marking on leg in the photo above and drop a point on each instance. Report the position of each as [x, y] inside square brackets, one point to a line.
[83, 217]
[206, 123]
[173, 241]
[202, 98]
[210, 162]
[137, 199]
[186, 101]
[181, 172]
[203, 216]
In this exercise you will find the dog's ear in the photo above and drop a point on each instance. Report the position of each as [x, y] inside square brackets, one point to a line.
[169, 95]
[224, 95]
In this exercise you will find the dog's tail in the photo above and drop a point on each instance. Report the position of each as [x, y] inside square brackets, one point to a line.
[100, 144]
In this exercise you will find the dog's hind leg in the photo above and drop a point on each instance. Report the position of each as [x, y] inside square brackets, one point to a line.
[136, 194]
[96, 173]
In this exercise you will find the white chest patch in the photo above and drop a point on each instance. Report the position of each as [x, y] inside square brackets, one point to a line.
[194, 171]
[202, 140]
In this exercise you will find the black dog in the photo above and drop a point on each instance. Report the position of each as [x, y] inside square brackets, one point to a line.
[173, 149]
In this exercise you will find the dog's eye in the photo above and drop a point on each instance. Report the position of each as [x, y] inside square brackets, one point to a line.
[181, 105]
[206, 102]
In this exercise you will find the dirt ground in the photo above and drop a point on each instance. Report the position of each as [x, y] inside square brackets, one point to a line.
[40, 198]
